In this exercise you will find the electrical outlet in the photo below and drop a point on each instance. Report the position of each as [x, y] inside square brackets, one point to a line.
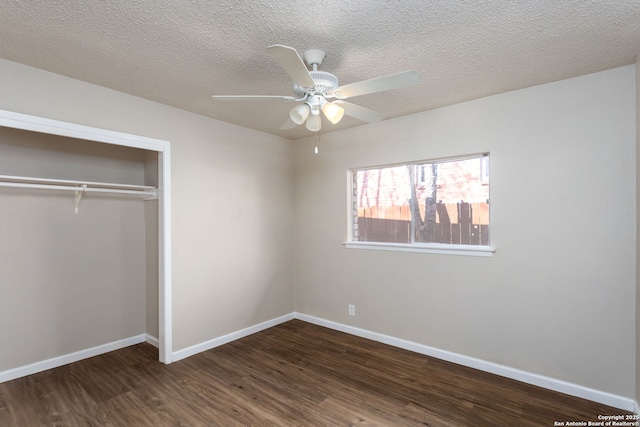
[352, 310]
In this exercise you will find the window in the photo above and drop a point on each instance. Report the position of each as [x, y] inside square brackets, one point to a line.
[421, 204]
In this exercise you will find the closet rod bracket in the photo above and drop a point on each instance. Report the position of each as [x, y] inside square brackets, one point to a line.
[79, 192]
[153, 195]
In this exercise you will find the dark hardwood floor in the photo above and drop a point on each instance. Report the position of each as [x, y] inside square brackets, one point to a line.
[295, 374]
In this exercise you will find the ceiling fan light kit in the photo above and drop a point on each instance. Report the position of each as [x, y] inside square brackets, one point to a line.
[299, 113]
[314, 88]
[313, 105]
[314, 122]
[333, 112]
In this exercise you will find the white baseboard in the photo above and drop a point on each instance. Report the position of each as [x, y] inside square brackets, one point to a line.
[494, 368]
[208, 345]
[483, 365]
[152, 340]
[55, 362]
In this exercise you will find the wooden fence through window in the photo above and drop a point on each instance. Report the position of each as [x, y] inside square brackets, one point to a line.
[454, 223]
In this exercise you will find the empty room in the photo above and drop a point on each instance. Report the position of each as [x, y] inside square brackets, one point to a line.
[376, 213]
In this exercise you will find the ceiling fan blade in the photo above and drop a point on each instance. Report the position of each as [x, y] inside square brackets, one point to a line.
[289, 124]
[250, 97]
[289, 59]
[359, 112]
[379, 84]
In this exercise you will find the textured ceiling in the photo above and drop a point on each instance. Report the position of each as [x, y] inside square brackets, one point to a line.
[180, 52]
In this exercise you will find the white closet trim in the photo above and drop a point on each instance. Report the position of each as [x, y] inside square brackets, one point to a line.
[26, 122]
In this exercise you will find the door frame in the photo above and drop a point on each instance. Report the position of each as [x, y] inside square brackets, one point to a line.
[27, 122]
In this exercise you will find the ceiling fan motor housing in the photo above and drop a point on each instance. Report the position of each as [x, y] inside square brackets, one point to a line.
[325, 82]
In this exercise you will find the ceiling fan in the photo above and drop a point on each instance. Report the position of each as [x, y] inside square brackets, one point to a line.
[315, 88]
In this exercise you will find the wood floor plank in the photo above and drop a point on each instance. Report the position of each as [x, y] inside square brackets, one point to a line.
[294, 374]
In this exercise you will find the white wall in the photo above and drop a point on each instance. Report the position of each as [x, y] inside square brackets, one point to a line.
[151, 235]
[558, 296]
[232, 204]
[637, 323]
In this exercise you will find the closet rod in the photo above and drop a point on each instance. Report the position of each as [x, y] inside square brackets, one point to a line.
[80, 187]
[86, 186]
[83, 187]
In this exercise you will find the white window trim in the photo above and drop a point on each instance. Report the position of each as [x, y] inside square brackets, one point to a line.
[427, 248]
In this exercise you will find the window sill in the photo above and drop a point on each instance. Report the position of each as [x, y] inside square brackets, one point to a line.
[429, 248]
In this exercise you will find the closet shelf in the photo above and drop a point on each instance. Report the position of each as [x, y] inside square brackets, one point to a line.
[80, 187]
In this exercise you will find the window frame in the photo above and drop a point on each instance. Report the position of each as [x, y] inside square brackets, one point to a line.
[431, 248]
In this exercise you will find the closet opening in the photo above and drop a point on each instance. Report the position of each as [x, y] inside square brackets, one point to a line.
[86, 242]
